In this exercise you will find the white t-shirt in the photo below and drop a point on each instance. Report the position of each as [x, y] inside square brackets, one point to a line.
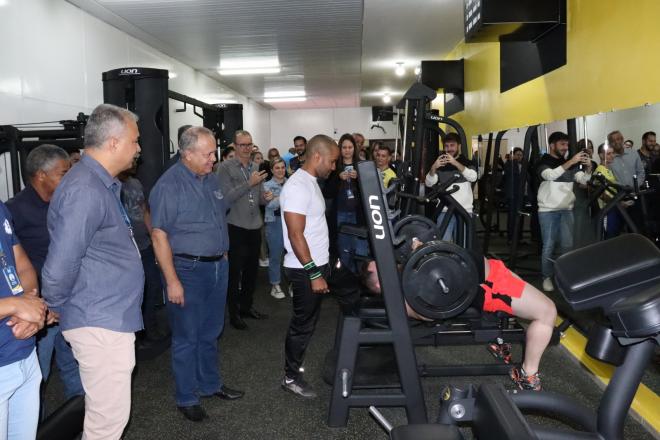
[301, 194]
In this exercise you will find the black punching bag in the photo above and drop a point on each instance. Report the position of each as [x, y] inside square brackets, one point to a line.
[144, 92]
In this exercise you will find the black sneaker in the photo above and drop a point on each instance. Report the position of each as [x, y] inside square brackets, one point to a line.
[193, 413]
[298, 387]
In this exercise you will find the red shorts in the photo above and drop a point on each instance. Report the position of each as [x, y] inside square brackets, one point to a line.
[500, 286]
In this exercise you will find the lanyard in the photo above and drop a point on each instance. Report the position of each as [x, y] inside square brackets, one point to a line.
[10, 273]
[247, 180]
[124, 215]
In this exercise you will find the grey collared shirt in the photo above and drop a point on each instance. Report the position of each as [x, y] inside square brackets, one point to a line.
[625, 166]
[93, 272]
[243, 198]
[191, 210]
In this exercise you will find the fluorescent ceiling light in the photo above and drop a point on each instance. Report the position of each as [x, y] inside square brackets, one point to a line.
[284, 94]
[418, 70]
[400, 70]
[253, 71]
[249, 65]
[387, 98]
[294, 99]
[171, 75]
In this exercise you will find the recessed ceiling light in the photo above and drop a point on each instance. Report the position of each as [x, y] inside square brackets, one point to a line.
[284, 94]
[400, 70]
[290, 99]
[418, 70]
[387, 98]
[171, 75]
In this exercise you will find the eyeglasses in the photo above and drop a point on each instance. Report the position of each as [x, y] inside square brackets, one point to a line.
[250, 145]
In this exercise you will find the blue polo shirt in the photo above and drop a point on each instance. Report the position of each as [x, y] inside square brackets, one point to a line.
[29, 213]
[11, 349]
[192, 211]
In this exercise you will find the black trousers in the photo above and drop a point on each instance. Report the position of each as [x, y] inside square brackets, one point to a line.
[307, 307]
[244, 245]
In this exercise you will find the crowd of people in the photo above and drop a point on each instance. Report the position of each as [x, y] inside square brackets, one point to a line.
[89, 259]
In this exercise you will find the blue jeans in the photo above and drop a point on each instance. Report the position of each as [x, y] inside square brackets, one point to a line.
[350, 245]
[52, 339]
[19, 399]
[196, 328]
[556, 228]
[451, 226]
[275, 240]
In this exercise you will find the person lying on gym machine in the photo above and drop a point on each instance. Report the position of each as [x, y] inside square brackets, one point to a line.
[503, 291]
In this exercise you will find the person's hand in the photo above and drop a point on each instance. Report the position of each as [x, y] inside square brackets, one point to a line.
[320, 286]
[627, 203]
[415, 243]
[344, 175]
[352, 174]
[581, 156]
[52, 317]
[449, 159]
[175, 293]
[23, 329]
[29, 308]
[268, 196]
[257, 177]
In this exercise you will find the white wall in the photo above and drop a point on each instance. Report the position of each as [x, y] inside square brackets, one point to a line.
[286, 124]
[52, 58]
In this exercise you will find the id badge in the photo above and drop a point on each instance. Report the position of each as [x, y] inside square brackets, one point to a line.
[12, 280]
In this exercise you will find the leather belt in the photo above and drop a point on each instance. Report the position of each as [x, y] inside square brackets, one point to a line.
[200, 257]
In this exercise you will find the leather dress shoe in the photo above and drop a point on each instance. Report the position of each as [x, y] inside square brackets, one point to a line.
[227, 393]
[193, 413]
[238, 323]
[252, 313]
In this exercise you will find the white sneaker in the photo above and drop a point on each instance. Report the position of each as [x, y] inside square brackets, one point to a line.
[263, 262]
[547, 285]
[276, 292]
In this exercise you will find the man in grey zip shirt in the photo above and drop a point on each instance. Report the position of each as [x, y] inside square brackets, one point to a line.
[626, 165]
[241, 182]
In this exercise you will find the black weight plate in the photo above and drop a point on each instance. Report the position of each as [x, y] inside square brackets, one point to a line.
[409, 227]
[428, 264]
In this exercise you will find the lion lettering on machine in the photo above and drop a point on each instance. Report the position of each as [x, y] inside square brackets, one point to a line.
[376, 218]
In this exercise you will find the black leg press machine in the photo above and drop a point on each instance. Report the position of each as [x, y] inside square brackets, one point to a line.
[621, 277]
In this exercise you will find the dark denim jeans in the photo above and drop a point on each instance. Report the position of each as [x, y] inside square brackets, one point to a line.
[153, 289]
[275, 239]
[350, 245]
[196, 328]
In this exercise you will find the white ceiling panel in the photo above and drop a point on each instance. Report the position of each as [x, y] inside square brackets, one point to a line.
[340, 52]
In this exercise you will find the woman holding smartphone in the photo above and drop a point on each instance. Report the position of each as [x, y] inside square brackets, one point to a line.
[273, 222]
[343, 189]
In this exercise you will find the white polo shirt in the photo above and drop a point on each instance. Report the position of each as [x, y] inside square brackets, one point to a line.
[301, 194]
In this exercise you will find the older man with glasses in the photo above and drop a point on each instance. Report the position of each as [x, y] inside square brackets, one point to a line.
[241, 180]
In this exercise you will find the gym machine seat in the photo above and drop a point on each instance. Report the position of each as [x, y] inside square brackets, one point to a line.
[598, 276]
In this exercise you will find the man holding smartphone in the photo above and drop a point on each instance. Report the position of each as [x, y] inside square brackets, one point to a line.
[449, 163]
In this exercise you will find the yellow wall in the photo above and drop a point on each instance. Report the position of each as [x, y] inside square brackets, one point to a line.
[613, 62]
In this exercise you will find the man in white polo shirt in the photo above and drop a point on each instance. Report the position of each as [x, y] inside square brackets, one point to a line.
[307, 253]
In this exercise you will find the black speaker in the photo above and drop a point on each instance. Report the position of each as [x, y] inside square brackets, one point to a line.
[379, 113]
[144, 92]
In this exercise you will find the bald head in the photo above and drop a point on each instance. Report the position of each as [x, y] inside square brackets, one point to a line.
[321, 156]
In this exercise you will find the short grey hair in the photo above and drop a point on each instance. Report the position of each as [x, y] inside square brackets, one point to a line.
[238, 133]
[106, 121]
[189, 138]
[43, 158]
